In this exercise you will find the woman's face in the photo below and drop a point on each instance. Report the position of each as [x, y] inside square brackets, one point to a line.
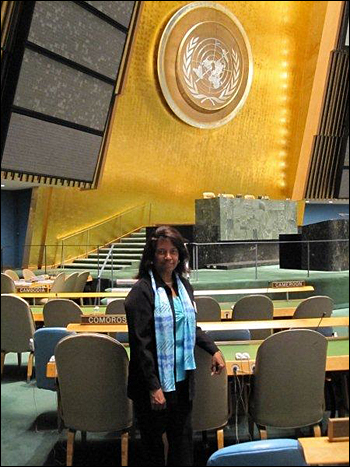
[166, 257]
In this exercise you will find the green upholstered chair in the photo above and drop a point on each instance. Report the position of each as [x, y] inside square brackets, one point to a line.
[17, 330]
[208, 309]
[210, 403]
[59, 312]
[7, 284]
[289, 379]
[254, 308]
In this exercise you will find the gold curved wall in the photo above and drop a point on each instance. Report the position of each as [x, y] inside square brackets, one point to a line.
[154, 157]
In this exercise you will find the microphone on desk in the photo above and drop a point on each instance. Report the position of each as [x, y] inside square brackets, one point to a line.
[319, 323]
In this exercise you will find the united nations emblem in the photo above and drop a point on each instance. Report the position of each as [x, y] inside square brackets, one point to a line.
[205, 64]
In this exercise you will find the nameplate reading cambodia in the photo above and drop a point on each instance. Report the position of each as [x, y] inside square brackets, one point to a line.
[103, 319]
[32, 289]
[205, 64]
[286, 284]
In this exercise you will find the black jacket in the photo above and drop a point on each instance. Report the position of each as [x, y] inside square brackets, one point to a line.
[143, 368]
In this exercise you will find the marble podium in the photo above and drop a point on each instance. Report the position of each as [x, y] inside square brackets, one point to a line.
[330, 251]
[220, 220]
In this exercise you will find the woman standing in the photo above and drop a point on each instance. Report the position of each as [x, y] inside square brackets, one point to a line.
[162, 334]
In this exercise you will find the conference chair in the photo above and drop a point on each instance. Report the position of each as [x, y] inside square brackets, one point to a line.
[208, 309]
[116, 307]
[69, 283]
[58, 283]
[17, 330]
[254, 308]
[210, 403]
[83, 361]
[57, 286]
[289, 379]
[319, 306]
[28, 275]
[80, 283]
[7, 284]
[274, 452]
[45, 341]
[59, 312]
[13, 274]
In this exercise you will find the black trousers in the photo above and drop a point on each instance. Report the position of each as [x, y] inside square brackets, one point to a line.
[175, 421]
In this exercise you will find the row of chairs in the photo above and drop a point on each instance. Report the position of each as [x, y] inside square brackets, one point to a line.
[18, 327]
[260, 307]
[28, 274]
[78, 360]
[75, 282]
[59, 312]
[275, 398]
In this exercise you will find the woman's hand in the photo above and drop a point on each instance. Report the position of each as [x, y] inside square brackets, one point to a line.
[158, 401]
[217, 363]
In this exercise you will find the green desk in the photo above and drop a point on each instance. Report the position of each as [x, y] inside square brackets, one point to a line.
[37, 311]
[337, 355]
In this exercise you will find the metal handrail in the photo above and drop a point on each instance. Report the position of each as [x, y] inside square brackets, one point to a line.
[195, 251]
[98, 224]
[100, 271]
[146, 220]
[196, 246]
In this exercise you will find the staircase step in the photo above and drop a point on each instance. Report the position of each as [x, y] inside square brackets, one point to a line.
[128, 244]
[138, 241]
[119, 262]
[127, 253]
[130, 256]
[123, 246]
[140, 233]
[123, 250]
[91, 267]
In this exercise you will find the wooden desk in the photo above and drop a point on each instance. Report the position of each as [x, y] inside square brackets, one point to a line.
[72, 295]
[337, 357]
[225, 314]
[321, 451]
[122, 293]
[261, 290]
[224, 326]
[274, 324]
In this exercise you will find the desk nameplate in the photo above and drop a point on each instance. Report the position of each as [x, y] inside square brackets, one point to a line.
[32, 289]
[103, 319]
[286, 284]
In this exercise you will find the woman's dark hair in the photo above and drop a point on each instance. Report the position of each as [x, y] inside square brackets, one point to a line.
[177, 240]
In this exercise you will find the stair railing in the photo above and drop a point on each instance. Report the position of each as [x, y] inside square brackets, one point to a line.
[122, 224]
[100, 271]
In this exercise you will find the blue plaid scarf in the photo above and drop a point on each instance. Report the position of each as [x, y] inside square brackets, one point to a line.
[164, 328]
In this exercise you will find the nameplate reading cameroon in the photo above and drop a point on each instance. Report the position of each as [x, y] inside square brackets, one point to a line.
[286, 284]
[103, 319]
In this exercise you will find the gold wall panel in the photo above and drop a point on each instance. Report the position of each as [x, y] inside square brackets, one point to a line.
[155, 158]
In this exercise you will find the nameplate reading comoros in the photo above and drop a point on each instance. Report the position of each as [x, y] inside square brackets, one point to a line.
[285, 284]
[103, 319]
